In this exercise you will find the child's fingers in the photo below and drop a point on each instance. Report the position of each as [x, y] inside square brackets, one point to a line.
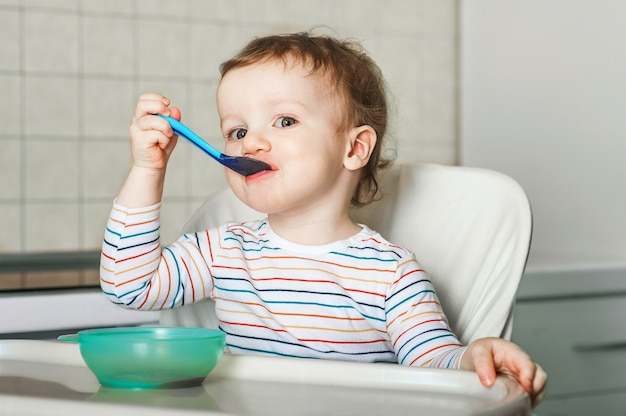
[487, 356]
[154, 96]
[153, 123]
[151, 104]
[175, 113]
[539, 385]
[484, 364]
[528, 373]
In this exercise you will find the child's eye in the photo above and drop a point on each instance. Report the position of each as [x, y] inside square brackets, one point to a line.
[237, 134]
[285, 122]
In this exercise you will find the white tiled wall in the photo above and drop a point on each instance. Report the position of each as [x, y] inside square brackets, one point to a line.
[71, 70]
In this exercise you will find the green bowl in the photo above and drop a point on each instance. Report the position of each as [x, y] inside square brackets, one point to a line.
[148, 357]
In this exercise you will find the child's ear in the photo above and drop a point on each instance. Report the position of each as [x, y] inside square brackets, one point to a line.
[361, 143]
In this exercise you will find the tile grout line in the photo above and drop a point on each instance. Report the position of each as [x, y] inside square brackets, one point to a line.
[22, 136]
[81, 126]
[189, 93]
[22, 128]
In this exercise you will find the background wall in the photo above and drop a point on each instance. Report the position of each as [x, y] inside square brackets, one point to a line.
[543, 100]
[71, 71]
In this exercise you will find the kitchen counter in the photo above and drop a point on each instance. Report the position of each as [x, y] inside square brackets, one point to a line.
[571, 321]
[49, 377]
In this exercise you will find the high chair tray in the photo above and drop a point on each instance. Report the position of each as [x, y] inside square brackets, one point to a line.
[49, 377]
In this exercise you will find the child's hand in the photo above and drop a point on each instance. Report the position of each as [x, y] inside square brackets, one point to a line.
[488, 356]
[152, 138]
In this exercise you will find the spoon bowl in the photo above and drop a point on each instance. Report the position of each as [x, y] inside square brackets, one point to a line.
[245, 166]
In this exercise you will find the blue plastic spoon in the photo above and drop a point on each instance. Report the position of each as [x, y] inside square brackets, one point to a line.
[245, 166]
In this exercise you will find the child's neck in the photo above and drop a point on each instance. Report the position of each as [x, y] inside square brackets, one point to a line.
[310, 230]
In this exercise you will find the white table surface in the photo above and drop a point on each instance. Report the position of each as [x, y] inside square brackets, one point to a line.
[48, 377]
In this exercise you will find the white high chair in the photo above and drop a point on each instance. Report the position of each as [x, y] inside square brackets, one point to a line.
[470, 229]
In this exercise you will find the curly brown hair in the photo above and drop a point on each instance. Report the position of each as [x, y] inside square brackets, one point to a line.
[344, 63]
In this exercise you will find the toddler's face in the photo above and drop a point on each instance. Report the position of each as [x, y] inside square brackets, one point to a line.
[289, 118]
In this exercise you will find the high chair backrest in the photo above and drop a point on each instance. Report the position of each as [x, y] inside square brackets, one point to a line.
[470, 229]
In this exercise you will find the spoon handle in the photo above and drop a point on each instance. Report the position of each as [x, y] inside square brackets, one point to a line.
[182, 130]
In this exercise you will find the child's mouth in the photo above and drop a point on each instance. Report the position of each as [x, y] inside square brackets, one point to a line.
[260, 173]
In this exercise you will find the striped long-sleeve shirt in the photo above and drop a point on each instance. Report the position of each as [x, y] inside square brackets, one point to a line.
[360, 299]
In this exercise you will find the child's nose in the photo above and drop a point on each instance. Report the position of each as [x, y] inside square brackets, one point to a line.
[253, 143]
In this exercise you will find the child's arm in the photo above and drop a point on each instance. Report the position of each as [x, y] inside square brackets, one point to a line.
[134, 269]
[421, 336]
[488, 356]
[152, 142]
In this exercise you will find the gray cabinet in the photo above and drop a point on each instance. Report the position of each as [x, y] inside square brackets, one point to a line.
[573, 323]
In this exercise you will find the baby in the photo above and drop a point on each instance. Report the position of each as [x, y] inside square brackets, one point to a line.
[306, 281]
